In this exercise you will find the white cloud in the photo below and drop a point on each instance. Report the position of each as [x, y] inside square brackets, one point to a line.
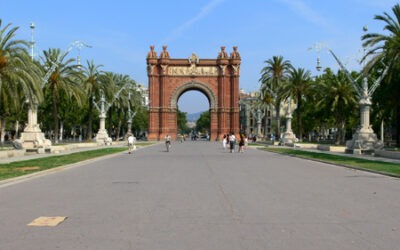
[306, 12]
[206, 10]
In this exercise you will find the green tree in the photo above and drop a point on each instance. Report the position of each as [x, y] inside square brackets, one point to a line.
[203, 123]
[273, 75]
[182, 121]
[297, 87]
[19, 76]
[386, 48]
[64, 80]
[92, 84]
[337, 96]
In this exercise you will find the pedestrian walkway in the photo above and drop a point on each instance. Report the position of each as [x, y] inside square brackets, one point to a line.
[90, 146]
[198, 196]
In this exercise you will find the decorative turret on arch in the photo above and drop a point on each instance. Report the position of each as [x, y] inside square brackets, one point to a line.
[169, 78]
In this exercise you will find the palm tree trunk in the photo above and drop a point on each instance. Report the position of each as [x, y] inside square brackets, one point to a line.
[344, 133]
[397, 125]
[110, 123]
[3, 129]
[278, 119]
[341, 133]
[90, 119]
[299, 125]
[61, 130]
[16, 129]
[119, 123]
[55, 115]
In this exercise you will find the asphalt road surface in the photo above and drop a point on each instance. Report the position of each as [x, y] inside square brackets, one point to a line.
[199, 197]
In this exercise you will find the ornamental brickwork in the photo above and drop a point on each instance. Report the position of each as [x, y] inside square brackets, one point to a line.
[217, 79]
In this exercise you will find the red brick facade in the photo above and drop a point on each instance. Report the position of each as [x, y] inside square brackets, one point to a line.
[217, 79]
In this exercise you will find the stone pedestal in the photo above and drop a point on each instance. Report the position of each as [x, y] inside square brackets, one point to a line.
[32, 139]
[102, 135]
[364, 140]
[288, 138]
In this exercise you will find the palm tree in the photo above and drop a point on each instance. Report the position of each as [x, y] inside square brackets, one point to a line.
[297, 87]
[64, 80]
[92, 84]
[337, 95]
[386, 48]
[122, 100]
[273, 75]
[19, 76]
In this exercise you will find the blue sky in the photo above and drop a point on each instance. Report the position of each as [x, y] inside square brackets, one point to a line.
[121, 31]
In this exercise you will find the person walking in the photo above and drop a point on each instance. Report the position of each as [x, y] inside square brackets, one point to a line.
[241, 143]
[131, 143]
[168, 142]
[232, 142]
[224, 141]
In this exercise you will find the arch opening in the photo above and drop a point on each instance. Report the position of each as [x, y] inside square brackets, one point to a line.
[194, 105]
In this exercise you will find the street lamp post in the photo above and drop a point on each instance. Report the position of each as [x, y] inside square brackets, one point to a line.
[364, 139]
[32, 43]
[259, 114]
[102, 135]
[288, 138]
[257, 109]
[32, 138]
[131, 115]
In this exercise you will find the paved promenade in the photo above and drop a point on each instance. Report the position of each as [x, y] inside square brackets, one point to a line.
[199, 197]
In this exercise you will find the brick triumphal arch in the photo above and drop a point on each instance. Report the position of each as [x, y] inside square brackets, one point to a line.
[217, 79]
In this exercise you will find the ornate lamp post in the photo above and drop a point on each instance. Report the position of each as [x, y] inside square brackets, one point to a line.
[257, 109]
[364, 138]
[288, 138]
[131, 114]
[102, 135]
[259, 112]
[32, 43]
[32, 138]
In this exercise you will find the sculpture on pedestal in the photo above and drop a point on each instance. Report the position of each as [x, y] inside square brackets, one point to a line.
[259, 113]
[288, 138]
[364, 140]
[131, 114]
[102, 135]
[32, 138]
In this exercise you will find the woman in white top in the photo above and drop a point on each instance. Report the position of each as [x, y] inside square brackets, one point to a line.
[224, 141]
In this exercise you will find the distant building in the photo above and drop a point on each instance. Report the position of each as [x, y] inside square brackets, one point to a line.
[191, 124]
[248, 115]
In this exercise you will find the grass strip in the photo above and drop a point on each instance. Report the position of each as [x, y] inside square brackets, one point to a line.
[19, 168]
[387, 168]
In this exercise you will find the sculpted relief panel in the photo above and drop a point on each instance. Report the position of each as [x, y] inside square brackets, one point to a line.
[187, 71]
